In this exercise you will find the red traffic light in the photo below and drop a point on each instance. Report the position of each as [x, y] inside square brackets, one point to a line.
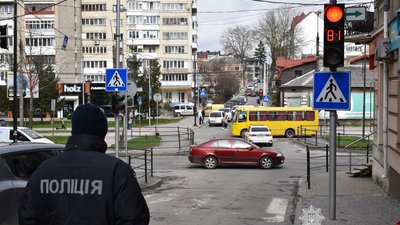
[334, 13]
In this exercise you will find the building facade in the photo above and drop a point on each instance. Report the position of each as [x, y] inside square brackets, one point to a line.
[78, 38]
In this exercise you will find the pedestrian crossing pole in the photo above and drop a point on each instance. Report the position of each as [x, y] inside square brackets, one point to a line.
[334, 16]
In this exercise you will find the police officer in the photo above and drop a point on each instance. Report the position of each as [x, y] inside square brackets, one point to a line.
[84, 185]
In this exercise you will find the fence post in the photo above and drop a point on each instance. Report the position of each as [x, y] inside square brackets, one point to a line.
[326, 158]
[308, 167]
[151, 162]
[368, 152]
[338, 140]
[350, 160]
[145, 166]
[129, 160]
[344, 130]
[179, 140]
[188, 133]
[301, 130]
[316, 138]
[298, 132]
[304, 135]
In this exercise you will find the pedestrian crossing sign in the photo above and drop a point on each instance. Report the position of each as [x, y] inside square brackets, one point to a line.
[332, 90]
[116, 79]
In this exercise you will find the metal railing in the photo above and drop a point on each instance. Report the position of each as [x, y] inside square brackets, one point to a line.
[347, 147]
[141, 161]
[309, 157]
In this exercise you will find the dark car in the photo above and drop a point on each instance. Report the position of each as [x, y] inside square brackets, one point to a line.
[17, 163]
[250, 92]
[233, 151]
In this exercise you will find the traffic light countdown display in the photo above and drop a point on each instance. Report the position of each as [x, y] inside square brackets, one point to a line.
[334, 16]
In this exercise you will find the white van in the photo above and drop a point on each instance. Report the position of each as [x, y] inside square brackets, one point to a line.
[216, 118]
[24, 134]
[184, 109]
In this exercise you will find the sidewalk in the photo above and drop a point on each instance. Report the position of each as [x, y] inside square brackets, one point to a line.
[359, 201]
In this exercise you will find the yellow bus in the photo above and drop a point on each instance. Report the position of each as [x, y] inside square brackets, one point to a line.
[283, 121]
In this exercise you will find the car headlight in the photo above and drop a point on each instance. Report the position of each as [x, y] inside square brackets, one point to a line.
[279, 154]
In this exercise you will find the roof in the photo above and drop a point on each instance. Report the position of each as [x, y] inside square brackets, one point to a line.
[22, 147]
[357, 78]
[282, 63]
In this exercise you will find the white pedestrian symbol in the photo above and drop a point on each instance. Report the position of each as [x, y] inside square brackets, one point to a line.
[331, 92]
[116, 81]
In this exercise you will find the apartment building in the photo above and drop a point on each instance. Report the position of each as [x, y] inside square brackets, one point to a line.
[78, 37]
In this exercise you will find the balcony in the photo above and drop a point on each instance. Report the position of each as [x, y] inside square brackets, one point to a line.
[143, 41]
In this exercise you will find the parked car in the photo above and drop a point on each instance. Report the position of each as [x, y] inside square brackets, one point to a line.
[17, 163]
[215, 118]
[259, 135]
[233, 151]
[24, 134]
[183, 109]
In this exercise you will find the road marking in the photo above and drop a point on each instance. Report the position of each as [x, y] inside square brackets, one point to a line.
[276, 208]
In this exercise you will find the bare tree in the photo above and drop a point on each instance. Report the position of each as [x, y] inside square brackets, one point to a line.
[282, 36]
[239, 42]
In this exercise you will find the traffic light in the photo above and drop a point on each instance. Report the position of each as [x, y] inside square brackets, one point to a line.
[117, 103]
[3, 37]
[334, 17]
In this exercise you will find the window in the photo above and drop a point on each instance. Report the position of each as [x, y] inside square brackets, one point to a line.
[95, 64]
[37, 42]
[175, 35]
[94, 7]
[221, 144]
[175, 21]
[240, 144]
[94, 21]
[174, 64]
[174, 49]
[298, 73]
[39, 24]
[310, 116]
[96, 36]
[174, 6]
[24, 164]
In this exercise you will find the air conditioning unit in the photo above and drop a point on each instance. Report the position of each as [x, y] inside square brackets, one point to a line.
[96, 42]
[382, 49]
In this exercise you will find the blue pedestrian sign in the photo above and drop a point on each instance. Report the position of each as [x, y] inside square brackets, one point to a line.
[203, 92]
[265, 98]
[116, 79]
[139, 99]
[332, 90]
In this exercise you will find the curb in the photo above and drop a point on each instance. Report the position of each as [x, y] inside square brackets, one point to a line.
[153, 182]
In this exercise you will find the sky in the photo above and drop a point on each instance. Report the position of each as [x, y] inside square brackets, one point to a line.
[215, 16]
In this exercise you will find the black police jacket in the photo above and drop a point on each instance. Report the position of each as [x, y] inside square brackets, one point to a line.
[83, 186]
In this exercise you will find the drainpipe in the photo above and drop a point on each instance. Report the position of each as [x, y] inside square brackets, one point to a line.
[386, 7]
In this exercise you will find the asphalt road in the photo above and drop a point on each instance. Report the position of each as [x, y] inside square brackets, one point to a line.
[190, 194]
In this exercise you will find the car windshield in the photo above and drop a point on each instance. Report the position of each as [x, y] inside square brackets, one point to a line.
[31, 133]
[215, 114]
[259, 129]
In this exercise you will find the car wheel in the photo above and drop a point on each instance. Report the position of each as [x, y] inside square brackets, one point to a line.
[243, 133]
[210, 162]
[266, 162]
[289, 133]
[178, 115]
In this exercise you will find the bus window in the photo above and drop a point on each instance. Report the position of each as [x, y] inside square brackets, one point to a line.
[269, 116]
[290, 115]
[310, 116]
[263, 115]
[253, 116]
[281, 115]
[298, 116]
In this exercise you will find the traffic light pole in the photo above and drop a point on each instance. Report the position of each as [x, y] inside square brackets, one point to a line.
[15, 71]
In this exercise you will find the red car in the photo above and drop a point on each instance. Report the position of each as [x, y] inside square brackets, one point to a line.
[233, 151]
